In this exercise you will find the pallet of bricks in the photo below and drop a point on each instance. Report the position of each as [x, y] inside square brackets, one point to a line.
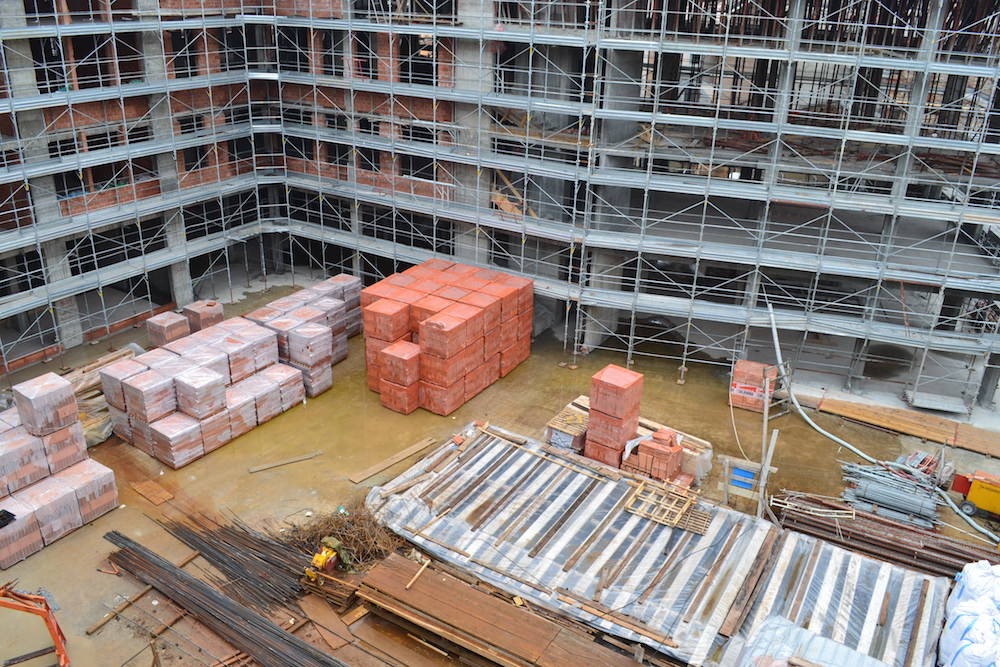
[439, 333]
[48, 485]
[203, 389]
[748, 388]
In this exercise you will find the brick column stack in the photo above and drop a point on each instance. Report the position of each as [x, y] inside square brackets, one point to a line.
[615, 395]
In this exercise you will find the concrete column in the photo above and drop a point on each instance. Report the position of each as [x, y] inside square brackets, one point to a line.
[181, 286]
[20, 66]
[856, 371]
[34, 142]
[988, 383]
[12, 14]
[67, 312]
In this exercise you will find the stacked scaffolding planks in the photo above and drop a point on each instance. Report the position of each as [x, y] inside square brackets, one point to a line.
[46, 480]
[469, 327]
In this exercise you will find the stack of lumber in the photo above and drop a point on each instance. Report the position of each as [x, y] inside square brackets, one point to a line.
[876, 536]
[46, 480]
[454, 614]
[472, 326]
[191, 397]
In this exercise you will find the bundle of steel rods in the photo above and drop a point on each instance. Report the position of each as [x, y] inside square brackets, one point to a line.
[259, 571]
[877, 536]
[242, 627]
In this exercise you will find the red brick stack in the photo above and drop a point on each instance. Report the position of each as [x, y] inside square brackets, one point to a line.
[747, 388]
[203, 314]
[658, 456]
[615, 395]
[444, 332]
[46, 480]
[166, 327]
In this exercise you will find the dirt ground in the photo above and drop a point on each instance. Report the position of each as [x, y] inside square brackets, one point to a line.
[351, 430]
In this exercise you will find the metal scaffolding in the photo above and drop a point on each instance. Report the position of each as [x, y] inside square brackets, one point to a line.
[662, 170]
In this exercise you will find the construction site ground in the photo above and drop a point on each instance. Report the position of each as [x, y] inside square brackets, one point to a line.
[352, 432]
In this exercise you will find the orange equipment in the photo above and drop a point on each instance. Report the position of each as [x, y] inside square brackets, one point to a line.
[38, 605]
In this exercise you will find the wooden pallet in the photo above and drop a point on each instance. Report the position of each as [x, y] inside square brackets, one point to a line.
[658, 503]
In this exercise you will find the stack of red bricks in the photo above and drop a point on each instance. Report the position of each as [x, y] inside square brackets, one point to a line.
[199, 392]
[658, 456]
[615, 395]
[46, 480]
[439, 333]
[749, 388]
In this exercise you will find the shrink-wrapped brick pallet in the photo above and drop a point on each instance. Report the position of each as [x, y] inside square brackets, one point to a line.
[45, 403]
[242, 408]
[310, 345]
[182, 346]
[22, 460]
[112, 376]
[177, 439]
[11, 418]
[267, 396]
[210, 358]
[20, 538]
[281, 326]
[120, 423]
[201, 392]
[306, 313]
[242, 363]
[289, 381]
[317, 380]
[94, 485]
[334, 311]
[203, 314]
[263, 314]
[166, 327]
[149, 396]
[142, 436]
[216, 430]
[64, 447]
[55, 507]
[155, 357]
[264, 343]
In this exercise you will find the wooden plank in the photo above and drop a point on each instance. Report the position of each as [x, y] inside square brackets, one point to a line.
[453, 603]
[976, 439]
[563, 518]
[582, 549]
[331, 628]
[354, 615]
[361, 476]
[573, 649]
[901, 420]
[151, 491]
[709, 577]
[911, 646]
[681, 544]
[487, 514]
[284, 462]
[741, 605]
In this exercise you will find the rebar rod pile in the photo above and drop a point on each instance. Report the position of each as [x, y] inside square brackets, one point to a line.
[242, 627]
[892, 494]
[876, 536]
[260, 571]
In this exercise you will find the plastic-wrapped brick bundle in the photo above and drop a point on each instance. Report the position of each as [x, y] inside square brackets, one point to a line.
[149, 396]
[241, 360]
[209, 336]
[208, 357]
[142, 436]
[46, 404]
[352, 321]
[21, 537]
[263, 314]
[308, 294]
[326, 290]
[11, 417]
[289, 381]
[339, 348]
[55, 507]
[308, 314]
[111, 380]
[203, 314]
[287, 303]
[22, 460]
[442, 400]
[281, 326]
[216, 431]
[317, 380]
[616, 391]
[177, 440]
[310, 345]
[166, 327]
[171, 368]
[65, 447]
[182, 346]
[351, 287]
[264, 342]
[119, 423]
[200, 392]
[242, 408]
[94, 485]
[155, 356]
[267, 396]
[232, 325]
[335, 311]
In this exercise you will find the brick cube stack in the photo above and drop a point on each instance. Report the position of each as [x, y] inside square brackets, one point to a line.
[615, 395]
[439, 333]
[167, 327]
[748, 385]
[46, 480]
[203, 314]
[658, 456]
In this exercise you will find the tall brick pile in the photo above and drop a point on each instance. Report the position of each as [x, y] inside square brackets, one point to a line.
[439, 333]
[615, 395]
[47, 482]
[748, 388]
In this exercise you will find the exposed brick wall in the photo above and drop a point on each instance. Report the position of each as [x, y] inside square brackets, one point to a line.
[111, 197]
[95, 113]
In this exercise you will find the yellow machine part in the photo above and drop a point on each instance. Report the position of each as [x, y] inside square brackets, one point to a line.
[321, 558]
[984, 495]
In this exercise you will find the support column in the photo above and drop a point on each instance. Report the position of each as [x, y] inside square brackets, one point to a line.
[67, 312]
[989, 382]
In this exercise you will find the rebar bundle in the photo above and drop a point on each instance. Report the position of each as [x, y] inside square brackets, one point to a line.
[892, 494]
[260, 572]
[242, 627]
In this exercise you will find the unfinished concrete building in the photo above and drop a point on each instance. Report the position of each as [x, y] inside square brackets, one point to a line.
[663, 170]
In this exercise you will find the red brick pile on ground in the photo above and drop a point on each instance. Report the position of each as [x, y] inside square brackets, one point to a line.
[747, 387]
[615, 395]
[658, 456]
[47, 482]
[439, 333]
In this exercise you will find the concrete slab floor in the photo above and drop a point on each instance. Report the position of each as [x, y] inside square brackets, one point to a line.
[352, 430]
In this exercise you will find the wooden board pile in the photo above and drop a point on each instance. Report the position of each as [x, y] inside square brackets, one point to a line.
[439, 333]
[748, 385]
[47, 482]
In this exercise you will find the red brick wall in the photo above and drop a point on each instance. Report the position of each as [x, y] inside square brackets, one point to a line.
[95, 113]
[110, 197]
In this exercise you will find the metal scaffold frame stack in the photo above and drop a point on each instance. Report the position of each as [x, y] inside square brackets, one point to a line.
[662, 171]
